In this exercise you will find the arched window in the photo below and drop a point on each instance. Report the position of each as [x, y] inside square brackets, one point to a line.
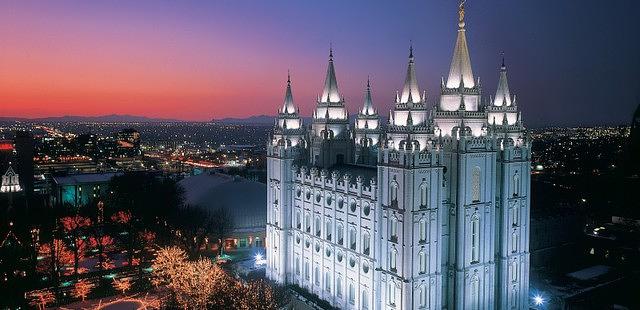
[339, 287]
[424, 296]
[365, 300]
[366, 243]
[393, 259]
[514, 271]
[307, 222]
[297, 265]
[475, 238]
[422, 262]
[352, 238]
[515, 214]
[328, 229]
[514, 297]
[298, 220]
[394, 193]
[318, 226]
[340, 234]
[391, 293]
[393, 230]
[307, 273]
[352, 293]
[423, 195]
[317, 276]
[475, 293]
[475, 184]
[422, 230]
[327, 281]
[516, 184]
[274, 193]
[275, 215]
[514, 242]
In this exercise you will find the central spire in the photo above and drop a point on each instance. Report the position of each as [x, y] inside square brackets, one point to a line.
[460, 71]
[330, 91]
[410, 91]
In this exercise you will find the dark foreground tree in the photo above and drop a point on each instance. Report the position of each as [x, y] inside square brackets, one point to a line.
[223, 226]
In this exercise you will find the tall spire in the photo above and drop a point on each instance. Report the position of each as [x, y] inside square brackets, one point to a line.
[288, 107]
[330, 91]
[410, 89]
[367, 109]
[460, 70]
[503, 97]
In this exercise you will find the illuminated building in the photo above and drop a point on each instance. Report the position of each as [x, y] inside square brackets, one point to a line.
[78, 190]
[440, 218]
[128, 142]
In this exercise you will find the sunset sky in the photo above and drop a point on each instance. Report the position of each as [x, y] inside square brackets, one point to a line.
[570, 62]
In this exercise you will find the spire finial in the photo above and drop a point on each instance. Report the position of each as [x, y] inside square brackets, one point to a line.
[461, 14]
[503, 65]
[411, 49]
[368, 82]
[330, 50]
[288, 77]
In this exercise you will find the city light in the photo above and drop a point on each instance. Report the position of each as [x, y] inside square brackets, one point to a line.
[260, 260]
[538, 300]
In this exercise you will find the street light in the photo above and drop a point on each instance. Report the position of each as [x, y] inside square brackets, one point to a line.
[260, 260]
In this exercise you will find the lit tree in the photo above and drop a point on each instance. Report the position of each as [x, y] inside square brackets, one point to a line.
[103, 244]
[258, 295]
[131, 240]
[73, 226]
[121, 217]
[168, 263]
[56, 255]
[82, 289]
[194, 286]
[41, 299]
[123, 284]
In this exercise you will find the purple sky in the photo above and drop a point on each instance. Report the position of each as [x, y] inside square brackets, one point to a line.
[570, 62]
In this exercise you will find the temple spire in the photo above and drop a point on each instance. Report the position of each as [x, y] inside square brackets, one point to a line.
[288, 107]
[460, 70]
[503, 96]
[330, 90]
[410, 89]
[367, 109]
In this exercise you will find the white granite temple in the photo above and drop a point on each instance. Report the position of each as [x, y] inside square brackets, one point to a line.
[430, 211]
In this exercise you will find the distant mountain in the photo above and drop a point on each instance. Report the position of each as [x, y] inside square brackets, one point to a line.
[251, 120]
[113, 118]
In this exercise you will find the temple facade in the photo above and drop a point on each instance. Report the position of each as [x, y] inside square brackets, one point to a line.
[428, 210]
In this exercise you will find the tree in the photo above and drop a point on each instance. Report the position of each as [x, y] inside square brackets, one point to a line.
[259, 295]
[122, 284]
[168, 263]
[130, 239]
[193, 226]
[81, 289]
[41, 299]
[73, 227]
[102, 243]
[222, 226]
[194, 286]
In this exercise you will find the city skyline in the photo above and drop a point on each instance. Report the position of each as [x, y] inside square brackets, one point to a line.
[197, 61]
